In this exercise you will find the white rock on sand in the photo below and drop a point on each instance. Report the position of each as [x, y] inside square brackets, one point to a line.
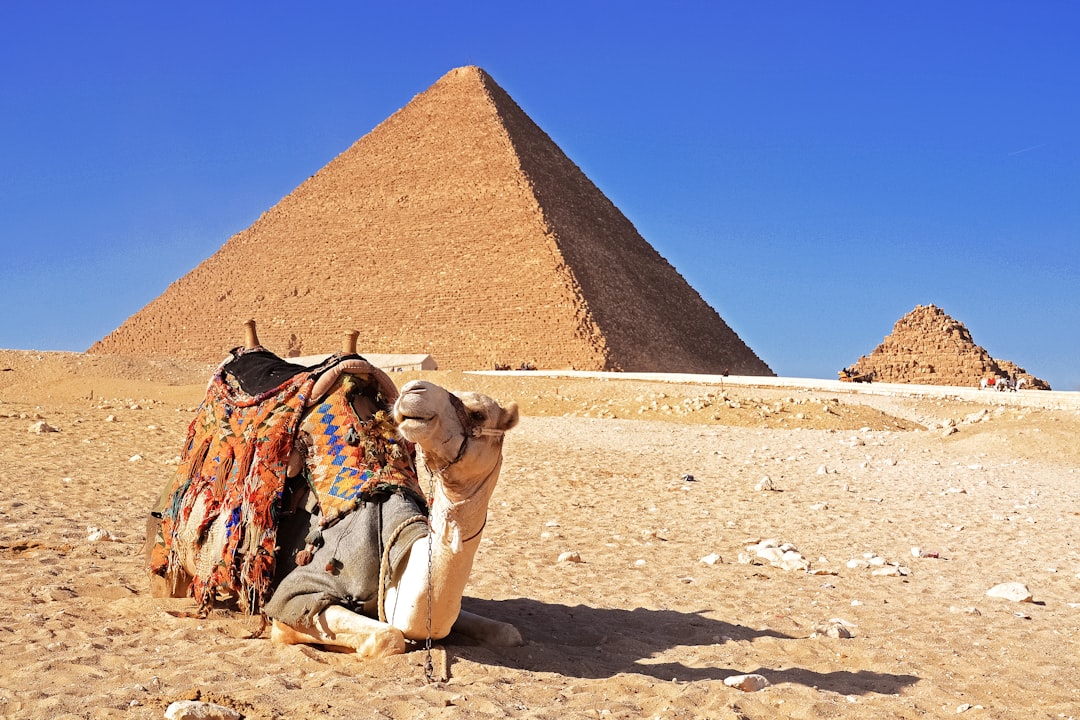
[747, 683]
[1015, 591]
[41, 427]
[195, 710]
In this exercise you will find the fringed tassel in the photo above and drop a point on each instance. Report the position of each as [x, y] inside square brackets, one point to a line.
[312, 542]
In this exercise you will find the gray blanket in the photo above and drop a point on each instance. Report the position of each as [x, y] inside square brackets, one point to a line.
[352, 550]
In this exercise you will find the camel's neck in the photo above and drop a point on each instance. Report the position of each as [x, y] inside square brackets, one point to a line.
[439, 566]
[458, 514]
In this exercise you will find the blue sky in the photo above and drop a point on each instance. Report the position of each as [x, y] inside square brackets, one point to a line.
[814, 170]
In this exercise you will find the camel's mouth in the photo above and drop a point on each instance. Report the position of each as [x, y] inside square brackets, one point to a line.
[414, 416]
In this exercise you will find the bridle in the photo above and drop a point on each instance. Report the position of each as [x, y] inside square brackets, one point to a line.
[472, 430]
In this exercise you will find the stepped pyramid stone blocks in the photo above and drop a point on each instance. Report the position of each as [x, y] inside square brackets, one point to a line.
[928, 347]
[456, 228]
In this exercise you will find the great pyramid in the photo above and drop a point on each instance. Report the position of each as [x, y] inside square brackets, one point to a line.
[455, 228]
[930, 348]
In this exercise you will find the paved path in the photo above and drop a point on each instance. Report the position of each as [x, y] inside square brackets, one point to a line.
[1047, 399]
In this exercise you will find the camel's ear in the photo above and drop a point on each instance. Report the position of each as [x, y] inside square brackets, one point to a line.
[509, 417]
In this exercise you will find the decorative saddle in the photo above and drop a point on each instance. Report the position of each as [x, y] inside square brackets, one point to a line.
[269, 430]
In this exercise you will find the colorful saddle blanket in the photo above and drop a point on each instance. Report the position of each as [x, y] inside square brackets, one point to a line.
[224, 505]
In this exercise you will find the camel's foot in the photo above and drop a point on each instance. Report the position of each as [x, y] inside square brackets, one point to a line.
[488, 631]
[175, 584]
[342, 630]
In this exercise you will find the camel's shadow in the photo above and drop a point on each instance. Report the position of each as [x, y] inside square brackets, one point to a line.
[593, 643]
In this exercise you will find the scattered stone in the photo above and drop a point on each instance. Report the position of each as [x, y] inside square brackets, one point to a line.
[570, 556]
[110, 418]
[711, 559]
[1015, 591]
[891, 571]
[949, 431]
[839, 631]
[747, 683]
[41, 427]
[792, 561]
[977, 417]
[94, 534]
[56, 593]
[782, 555]
[688, 478]
[135, 458]
[967, 611]
[764, 484]
[881, 566]
[196, 710]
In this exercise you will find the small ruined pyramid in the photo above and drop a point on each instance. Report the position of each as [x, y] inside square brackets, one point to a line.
[928, 347]
[456, 228]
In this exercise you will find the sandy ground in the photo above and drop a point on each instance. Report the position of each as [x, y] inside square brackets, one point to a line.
[642, 627]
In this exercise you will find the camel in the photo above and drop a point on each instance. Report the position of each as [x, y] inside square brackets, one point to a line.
[462, 449]
[323, 590]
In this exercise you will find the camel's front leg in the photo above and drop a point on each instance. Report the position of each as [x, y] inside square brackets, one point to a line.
[487, 631]
[345, 631]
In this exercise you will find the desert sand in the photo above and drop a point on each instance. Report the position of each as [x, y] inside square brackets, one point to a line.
[659, 487]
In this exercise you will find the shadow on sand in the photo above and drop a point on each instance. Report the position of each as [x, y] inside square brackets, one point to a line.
[594, 643]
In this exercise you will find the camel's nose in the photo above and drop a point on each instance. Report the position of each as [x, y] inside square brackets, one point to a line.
[416, 386]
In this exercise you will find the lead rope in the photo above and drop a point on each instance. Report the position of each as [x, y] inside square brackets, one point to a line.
[384, 579]
[384, 566]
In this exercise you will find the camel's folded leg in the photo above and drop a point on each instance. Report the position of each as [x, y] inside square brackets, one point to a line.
[344, 630]
[487, 631]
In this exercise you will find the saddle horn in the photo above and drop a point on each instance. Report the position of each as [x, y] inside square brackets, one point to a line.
[349, 346]
[251, 340]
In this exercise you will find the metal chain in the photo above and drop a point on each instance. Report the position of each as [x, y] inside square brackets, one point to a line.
[429, 665]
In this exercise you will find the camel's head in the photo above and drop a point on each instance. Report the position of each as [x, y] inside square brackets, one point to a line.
[463, 430]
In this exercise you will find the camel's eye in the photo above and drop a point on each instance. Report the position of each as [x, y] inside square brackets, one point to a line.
[477, 416]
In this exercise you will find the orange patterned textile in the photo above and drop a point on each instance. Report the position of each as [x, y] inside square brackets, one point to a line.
[234, 465]
[351, 460]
